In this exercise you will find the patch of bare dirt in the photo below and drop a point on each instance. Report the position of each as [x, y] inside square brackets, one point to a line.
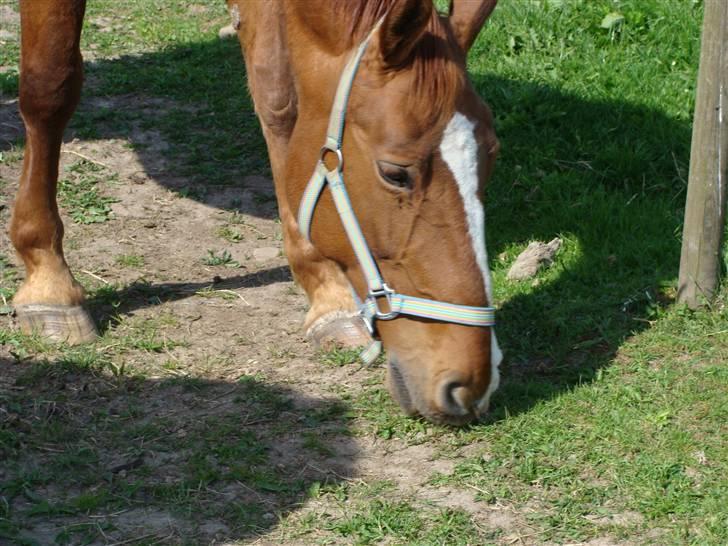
[620, 519]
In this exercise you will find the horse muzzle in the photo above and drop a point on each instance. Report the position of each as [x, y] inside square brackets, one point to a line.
[451, 400]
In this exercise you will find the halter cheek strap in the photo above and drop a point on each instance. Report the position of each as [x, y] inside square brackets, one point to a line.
[377, 289]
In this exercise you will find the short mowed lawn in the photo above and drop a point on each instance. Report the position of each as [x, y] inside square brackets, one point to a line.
[611, 424]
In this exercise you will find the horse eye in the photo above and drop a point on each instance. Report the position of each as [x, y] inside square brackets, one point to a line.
[395, 175]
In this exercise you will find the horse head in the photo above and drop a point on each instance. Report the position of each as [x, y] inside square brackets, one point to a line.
[419, 145]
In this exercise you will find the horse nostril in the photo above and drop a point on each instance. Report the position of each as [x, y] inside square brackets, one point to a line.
[454, 398]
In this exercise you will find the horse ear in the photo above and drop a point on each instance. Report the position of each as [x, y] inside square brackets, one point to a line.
[467, 17]
[402, 27]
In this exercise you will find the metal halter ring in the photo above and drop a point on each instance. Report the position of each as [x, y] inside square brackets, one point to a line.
[384, 292]
[339, 156]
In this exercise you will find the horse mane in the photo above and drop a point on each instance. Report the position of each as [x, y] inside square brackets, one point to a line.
[437, 78]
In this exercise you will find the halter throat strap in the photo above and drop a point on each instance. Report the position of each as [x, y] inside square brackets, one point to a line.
[377, 290]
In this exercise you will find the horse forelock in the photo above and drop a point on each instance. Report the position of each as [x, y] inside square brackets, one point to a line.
[437, 73]
[359, 16]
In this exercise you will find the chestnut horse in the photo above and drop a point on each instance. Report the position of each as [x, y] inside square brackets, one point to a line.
[418, 144]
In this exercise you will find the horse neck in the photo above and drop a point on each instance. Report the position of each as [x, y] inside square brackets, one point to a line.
[317, 20]
[318, 49]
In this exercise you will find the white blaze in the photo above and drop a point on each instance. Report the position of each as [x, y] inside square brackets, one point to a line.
[459, 150]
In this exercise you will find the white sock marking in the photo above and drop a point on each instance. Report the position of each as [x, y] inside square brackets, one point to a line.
[459, 150]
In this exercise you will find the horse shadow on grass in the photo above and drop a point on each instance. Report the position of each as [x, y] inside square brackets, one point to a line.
[607, 176]
[111, 301]
[93, 458]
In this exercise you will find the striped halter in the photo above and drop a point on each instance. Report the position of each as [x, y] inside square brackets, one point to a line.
[397, 304]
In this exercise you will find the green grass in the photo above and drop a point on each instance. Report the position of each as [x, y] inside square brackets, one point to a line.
[339, 356]
[223, 258]
[230, 234]
[372, 513]
[645, 437]
[78, 192]
[130, 260]
[8, 280]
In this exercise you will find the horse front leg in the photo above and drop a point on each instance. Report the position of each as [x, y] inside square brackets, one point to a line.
[49, 302]
[333, 318]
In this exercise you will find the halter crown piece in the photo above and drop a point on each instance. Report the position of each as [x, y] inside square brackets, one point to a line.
[369, 309]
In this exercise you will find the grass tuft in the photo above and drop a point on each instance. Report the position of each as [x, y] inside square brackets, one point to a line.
[78, 193]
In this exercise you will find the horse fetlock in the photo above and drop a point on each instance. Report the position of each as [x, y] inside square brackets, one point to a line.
[329, 297]
[49, 282]
[325, 284]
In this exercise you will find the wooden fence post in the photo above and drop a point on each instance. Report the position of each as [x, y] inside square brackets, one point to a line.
[705, 208]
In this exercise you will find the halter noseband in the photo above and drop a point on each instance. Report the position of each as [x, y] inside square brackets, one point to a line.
[377, 288]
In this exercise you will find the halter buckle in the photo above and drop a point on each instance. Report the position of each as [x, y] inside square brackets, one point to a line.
[383, 292]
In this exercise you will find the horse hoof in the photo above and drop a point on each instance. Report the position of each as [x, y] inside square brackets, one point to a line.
[339, 329]
[57, 323]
